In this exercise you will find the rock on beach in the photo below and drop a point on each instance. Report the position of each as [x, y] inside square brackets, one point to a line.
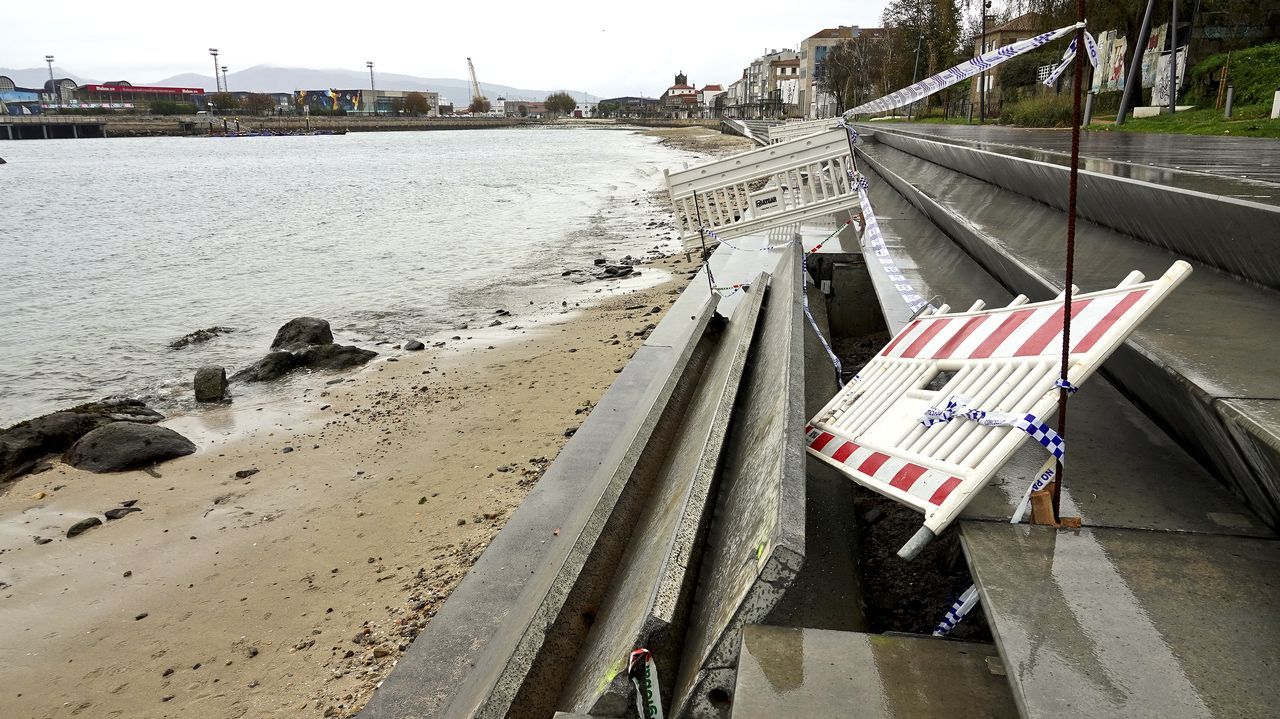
[24, 444]
[210, 383]
[304, 342]
[302, 331]
[126, 445]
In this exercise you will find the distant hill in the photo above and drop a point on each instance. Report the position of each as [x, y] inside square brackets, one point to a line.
[38, 76]
[263, 78]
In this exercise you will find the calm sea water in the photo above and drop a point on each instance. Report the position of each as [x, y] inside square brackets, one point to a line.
[111, 249]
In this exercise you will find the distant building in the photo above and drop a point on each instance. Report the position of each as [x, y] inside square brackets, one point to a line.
[362, 102]
[1018, 29]
[784, 86]
[526, 108]
[634, 107]
[123, 95]
[710, 97]
[681, 100]
[16, 100]
[813, 101]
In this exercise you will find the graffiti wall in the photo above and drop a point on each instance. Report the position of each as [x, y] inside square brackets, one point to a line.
[330, 100]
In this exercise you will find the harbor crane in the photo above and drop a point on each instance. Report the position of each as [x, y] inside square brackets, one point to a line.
[479, 103]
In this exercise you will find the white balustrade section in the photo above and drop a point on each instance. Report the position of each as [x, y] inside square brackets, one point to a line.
[754, 191]
[792, 130]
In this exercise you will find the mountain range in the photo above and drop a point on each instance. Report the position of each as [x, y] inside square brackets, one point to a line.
[264, 78]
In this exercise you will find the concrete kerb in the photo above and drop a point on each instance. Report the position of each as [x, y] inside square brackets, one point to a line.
[1183, 407]
[469, 655]
[1234, 235]
[648, 596]
[756, 541]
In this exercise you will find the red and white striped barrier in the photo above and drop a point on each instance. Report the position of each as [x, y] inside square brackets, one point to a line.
[1002, 362]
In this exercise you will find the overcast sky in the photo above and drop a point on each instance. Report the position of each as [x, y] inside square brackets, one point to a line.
[606, 48]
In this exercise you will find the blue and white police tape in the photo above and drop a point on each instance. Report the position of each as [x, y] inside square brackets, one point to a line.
[1066, 384]
[1091, 50]
[804, 296]
[962, 606]
[958, 407]
[950, 76]
[873, 244]
[853, 134]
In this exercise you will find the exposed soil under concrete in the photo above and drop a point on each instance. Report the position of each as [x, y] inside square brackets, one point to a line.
[904, 596]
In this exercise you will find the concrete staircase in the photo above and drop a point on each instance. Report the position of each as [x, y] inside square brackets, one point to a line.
[1164, 604]
[1194, 365]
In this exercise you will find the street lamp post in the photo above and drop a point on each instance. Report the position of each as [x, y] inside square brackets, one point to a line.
[225, 86]
[982, 88]
[916, 70]
[217, 82]
[53, 84]
[373, 90]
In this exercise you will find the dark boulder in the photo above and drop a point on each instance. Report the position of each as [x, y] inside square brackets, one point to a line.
[199, 336]
[23, 445]
[274, 366]
[414, 345]
[118, 512]
[210, 383]
[126, 445]
[334, 356]
[302, 331]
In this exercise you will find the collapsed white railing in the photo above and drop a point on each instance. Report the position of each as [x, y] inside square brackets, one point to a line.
[756, 190]
[792, 130]
[929, 420]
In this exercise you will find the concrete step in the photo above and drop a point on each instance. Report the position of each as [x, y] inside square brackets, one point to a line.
[1107, 622]
[1193, 365]
[647, 598]
[1123, 470]
[792, 672]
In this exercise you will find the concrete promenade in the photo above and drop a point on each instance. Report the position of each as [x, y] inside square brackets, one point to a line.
[1252, 158]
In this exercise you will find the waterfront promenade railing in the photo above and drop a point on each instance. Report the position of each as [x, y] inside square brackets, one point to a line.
[753, 191]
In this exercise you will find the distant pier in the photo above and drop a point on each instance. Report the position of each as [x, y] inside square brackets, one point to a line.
[15, 127]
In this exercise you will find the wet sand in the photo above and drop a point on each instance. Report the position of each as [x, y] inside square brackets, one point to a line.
[292, 591]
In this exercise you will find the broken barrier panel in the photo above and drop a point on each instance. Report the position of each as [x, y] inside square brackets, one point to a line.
[929, 420]
[754, 191]
[789, 131]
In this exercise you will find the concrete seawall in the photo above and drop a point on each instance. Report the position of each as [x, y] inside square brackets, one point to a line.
[183, 125]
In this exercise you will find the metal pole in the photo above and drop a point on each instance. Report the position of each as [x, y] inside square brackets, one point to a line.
[982, 114]
[1077, 85]
[915, 70]
[373, 91]
[53, 85]
[1133, 79]
[217, 80]
[1231, 97]
[1173, 60]
[226, 86]
[1088, 110]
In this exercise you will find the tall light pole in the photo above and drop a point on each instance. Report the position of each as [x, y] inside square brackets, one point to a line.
[916, 70]
[225, 86]
[217, 82]
[1173, 60]
[53, 85]
[982, 88]
[373, 90]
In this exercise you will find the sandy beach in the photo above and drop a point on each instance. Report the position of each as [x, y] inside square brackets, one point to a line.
[283, 568]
